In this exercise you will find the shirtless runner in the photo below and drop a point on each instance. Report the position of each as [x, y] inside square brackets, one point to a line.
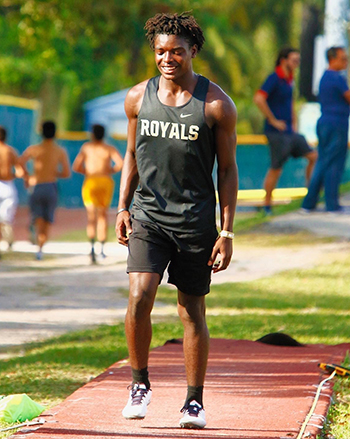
[50, 162]
[95, 162]
[9, 170]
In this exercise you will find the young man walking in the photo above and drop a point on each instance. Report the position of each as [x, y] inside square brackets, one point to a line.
[178, 123]
[50, 162]
[332, 132]
[95, 162]
[275, 101]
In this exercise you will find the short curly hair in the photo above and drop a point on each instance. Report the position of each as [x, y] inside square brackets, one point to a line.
[183, 25]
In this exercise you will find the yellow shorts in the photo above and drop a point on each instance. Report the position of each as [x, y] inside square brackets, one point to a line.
[98, 191]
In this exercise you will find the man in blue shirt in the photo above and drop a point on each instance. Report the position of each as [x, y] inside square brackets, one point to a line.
[332, 132]
[275, 101]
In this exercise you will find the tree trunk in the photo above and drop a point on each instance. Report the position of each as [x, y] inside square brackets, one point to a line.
[311, 27]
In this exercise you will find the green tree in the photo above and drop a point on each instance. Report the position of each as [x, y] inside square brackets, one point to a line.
[66, 53]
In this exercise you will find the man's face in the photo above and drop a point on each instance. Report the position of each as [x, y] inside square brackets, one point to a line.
[173, 56]
[340, 62]
[293, 61]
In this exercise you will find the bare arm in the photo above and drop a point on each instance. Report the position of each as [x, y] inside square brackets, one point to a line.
[65, 167]
[26, 156]
[225, 115]
[261, 103]
[129, 178]
[20, 170]
[347, 96]
[78, 164]
[117, 159]
[23, 160]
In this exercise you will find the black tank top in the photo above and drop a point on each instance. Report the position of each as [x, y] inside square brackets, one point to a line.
[175, 153]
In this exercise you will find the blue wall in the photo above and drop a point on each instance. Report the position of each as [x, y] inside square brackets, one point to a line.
[20, 124]
[253, 160]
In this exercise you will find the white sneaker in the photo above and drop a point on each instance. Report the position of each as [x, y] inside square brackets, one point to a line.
[138, 401]
[343, 210]
[194, 416]
[303, 211]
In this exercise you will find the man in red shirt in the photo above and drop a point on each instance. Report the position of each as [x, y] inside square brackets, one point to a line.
[275, 101]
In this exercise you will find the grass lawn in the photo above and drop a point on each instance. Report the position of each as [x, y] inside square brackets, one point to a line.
[311, 305]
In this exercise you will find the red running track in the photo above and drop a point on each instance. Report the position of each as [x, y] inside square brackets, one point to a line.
[66, 220]
[252, 390]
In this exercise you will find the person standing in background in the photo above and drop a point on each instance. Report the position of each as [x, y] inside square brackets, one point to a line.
[275, 101]
[332, 132]
[95, 162]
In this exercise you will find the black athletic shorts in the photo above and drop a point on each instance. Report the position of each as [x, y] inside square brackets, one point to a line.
[283, 146]
[152, 249]
[43, 201]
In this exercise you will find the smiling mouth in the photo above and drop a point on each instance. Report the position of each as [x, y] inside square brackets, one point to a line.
[168, 69]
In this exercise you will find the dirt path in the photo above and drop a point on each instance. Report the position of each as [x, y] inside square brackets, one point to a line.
[64, 293]
[60, 294]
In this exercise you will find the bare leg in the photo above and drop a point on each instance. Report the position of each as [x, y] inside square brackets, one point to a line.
[42, 231]
[7, 233]
[91, 229]
[312, 158]
[270, 183]
[191, 310]
[102, 224]
[138, 328]
[91, 222]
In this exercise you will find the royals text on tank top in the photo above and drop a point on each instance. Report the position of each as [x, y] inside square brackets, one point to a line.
[175, 153]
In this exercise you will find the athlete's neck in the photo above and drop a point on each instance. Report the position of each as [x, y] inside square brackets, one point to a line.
[177, 92]
[48, 142]
[97, 142]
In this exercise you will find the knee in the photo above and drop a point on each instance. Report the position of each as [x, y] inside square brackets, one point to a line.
[102, 214]
[91, 217]
[140, 303]
[192, 315]
[273, 173]
[313, 157]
